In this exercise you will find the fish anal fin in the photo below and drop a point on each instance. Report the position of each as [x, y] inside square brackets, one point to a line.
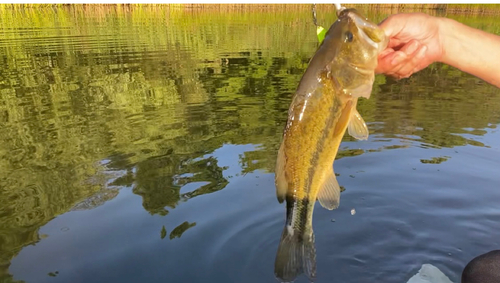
[357, 127]
[280, 178]
[329, 193]
[296, 255]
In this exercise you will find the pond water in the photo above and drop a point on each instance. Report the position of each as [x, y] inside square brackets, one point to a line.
[139, 144]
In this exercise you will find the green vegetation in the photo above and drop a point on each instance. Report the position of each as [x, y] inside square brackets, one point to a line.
[435, 160]
[94, 99]
[179, 230]
[163, 232]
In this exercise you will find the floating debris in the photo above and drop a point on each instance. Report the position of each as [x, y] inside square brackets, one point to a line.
[435, 160]
[163, 232]
[429, 273]
[179, 230]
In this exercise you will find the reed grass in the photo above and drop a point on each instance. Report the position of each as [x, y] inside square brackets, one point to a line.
[470, 9]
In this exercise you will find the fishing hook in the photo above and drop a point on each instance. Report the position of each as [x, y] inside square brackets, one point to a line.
[339, 8]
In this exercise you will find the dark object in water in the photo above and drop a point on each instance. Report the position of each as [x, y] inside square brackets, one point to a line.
[483, 269]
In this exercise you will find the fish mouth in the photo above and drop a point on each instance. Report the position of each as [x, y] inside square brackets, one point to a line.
[368, 39]
[369, 32]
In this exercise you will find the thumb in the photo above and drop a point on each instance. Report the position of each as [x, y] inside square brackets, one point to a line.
[393, 25]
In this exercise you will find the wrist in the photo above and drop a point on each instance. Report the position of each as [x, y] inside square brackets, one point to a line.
[468, 49]
[445, 39]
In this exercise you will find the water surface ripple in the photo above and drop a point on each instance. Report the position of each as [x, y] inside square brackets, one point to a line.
[138, 145]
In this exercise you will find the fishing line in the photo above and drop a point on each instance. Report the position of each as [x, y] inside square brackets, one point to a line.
[314, 15]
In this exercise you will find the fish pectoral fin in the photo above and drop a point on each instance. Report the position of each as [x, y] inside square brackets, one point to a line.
[363, 90]
[329, 194]
[280, 178]
[357, 127]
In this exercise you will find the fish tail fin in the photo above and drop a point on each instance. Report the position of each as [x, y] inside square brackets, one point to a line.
[296, 255]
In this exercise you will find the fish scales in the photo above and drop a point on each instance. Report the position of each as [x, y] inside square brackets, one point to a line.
[324, 106]
[310, 142]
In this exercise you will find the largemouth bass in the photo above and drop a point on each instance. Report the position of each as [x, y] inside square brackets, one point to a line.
[323, 107]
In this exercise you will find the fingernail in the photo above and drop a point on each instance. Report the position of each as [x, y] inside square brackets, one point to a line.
[385, 53]
[421, 52]
[412, 48]
[398, 58]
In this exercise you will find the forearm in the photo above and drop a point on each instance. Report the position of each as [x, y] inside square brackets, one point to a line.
[471, 50]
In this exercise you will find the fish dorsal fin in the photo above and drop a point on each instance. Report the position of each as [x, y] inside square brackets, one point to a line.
[280, 179]
[357, 126]
[329, 193]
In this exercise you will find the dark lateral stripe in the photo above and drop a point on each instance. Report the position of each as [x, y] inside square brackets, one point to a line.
[321, 142]
[304, 203]
[301, 206]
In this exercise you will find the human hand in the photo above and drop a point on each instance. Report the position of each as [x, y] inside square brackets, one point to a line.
[414, 43]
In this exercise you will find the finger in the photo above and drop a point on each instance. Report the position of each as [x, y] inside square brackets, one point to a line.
[390, 63]
[395, 43]
[401, 59]
[384, 61]
[422, 60]
[389, 60]
[412, 63]
[410, 48]
[385, 52]
[397, 63]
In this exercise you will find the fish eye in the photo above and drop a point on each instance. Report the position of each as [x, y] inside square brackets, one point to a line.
[349, 36]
